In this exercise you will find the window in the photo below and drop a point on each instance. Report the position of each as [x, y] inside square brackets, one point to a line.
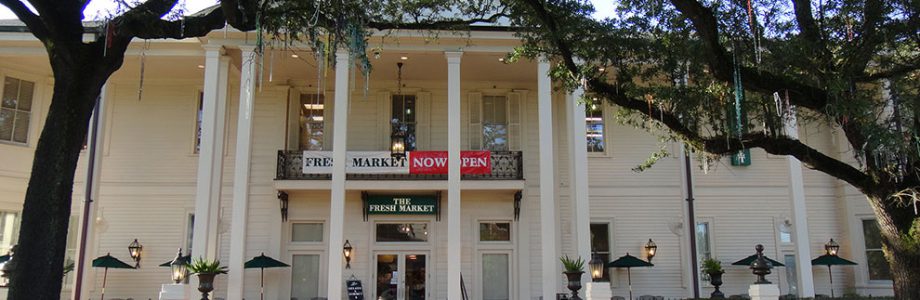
[594, 124]
[875, 260]
[785, 232]
[189, 234]
[16, 110]
[312, 110]
[307, 232]
[791, 280]
[600, 244]
[198, 116]
[71, 253]
[495, 232]
[703, 245]
[404, 116]
[496, 276]
[305, 276]
[9, 232]
[495, 123]
[403, 232]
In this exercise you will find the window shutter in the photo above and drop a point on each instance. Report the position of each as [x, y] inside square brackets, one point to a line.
[475, 131]
[294, 109]
[515, 113]
[423, 120]
[328, 119]
[384, 114]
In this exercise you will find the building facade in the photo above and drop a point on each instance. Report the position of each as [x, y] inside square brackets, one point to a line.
[206, 146]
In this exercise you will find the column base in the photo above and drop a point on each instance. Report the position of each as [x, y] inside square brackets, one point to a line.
[176, 292]
[598, 291]
[764, 292]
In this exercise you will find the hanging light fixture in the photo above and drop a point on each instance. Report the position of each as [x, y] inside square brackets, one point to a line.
[135, 250]
[650, 249]
[398, 134]
[347, 251]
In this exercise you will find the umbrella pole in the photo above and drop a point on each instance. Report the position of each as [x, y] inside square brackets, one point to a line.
[262, 283]
[629, 282]
[831, 276]
[105, 274]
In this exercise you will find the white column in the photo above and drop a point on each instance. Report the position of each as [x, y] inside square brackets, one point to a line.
[210, 154]
[549, 257]
[339, 148]
[799, 215]
[241, 174]
[578, 180]
[453, 175]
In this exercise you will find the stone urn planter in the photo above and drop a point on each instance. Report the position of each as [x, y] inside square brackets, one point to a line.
[715, 279]
[206, 284]
[574, 284]
[206, 271]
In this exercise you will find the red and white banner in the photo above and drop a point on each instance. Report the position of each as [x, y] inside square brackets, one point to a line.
[435, 162]
[380, 162]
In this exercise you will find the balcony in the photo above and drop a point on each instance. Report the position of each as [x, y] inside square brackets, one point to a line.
[506, 165]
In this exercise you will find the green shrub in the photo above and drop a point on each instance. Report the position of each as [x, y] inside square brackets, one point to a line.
[572, 265]
[203, 266]
[712, 266]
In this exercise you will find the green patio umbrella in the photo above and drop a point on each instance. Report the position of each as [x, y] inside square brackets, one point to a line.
[263, 262]
[628, 261]
[831, 260]
[4, 258]
[108, 261]
[747, 261]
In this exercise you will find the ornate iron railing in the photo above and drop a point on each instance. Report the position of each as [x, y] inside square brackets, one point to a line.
[506, 165]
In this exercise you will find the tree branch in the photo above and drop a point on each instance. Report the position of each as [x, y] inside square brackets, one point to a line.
[857, 58]
[149, 27]
[30, 19]
[422, 25]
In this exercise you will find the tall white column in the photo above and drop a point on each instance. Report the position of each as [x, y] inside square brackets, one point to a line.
[550, 279]
[453, 175]
[241, 173]
[799, 215]
[578, 178]
[339, 148]
[211, 152]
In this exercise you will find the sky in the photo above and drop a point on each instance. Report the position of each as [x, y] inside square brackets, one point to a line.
[103, 7]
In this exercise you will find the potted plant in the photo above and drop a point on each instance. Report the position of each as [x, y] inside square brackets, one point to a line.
[206, 270]
[713, 268]
[573, 270]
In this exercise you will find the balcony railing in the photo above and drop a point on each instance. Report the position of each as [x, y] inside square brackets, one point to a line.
[506, 165]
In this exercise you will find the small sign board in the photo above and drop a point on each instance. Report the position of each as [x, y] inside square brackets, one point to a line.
[401, 205]
[354, 289]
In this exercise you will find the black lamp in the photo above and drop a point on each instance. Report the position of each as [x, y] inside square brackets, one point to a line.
[347, 251]
[397, 140]
[179, 268]
[135, 250]
[596, 265]
[832, 247]
[650, 249]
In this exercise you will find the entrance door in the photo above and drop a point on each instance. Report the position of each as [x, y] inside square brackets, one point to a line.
[402, 276]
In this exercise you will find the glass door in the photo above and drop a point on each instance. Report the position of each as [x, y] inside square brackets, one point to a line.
[401, 276]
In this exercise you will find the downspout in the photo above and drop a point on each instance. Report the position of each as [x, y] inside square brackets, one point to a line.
[691, 214]
[87, 202]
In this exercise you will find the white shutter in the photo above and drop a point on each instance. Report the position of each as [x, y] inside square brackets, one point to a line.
[475, 131]
[384, 114]
[328, 119]
[515, 111]
[293, 125]
[423, 120]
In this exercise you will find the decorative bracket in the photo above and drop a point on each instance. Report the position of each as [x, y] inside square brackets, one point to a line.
[283, 196]
[517, 204]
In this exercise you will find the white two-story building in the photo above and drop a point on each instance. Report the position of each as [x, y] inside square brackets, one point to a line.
[206, 146]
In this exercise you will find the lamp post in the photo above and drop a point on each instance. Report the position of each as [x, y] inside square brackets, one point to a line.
[135, 250]
[650, 249]
[179, 268]
[347, 251]
[832, 247]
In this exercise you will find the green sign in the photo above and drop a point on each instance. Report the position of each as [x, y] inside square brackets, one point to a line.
[401, 205]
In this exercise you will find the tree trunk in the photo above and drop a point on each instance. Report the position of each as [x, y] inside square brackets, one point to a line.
[78, 80]
[900, 235]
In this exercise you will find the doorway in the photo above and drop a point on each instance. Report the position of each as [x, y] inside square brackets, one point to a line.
[401, 276]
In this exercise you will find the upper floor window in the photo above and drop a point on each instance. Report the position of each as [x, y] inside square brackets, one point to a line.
[312, 108]
[594, 124]
[876, 263]
[16, 110]
[404, 119]
[495, 123]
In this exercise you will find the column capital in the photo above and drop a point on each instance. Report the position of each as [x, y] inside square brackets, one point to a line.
[213, 49]
[247, 48]
[453, 57]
